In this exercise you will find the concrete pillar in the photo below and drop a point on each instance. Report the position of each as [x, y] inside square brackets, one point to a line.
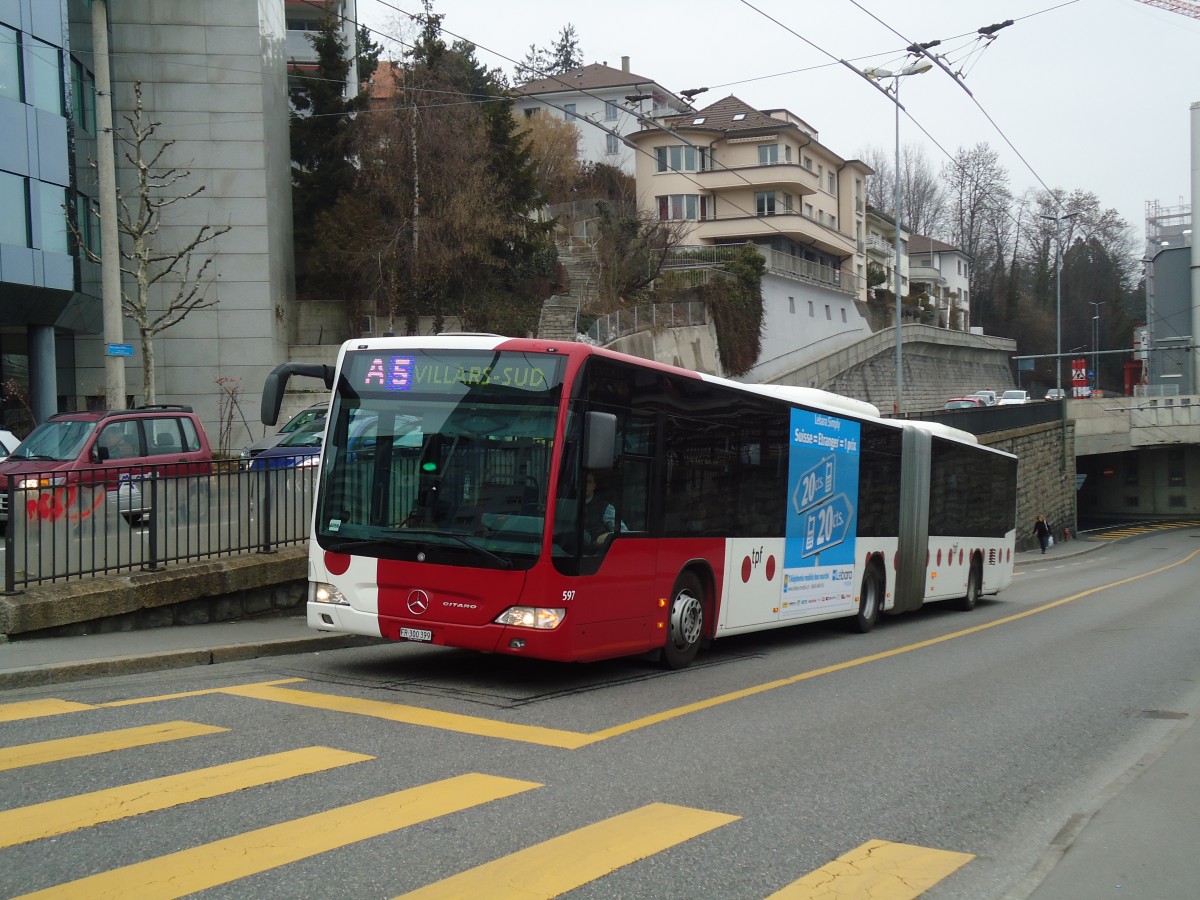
[1195, 304]
[43, 372]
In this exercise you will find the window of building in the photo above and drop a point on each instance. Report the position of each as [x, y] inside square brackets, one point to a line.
[828, 313]
[832, 183]
[832, 221]
[677, 207]
[768, 154]
[610, 110]
[87, 220]
[739, 117]
[764, 203]
[681, 158]
[611, 143]
[14, 200]
[531, 112]
[808, 163]
[792, 305]
[43, 76]
[568, 111]
[787, 202]
[808, 210]
[53, 217]
[811, 312]
[83, 91]
[843, 314]
[10, 64]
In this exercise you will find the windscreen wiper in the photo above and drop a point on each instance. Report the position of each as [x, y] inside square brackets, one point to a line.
[352, 543]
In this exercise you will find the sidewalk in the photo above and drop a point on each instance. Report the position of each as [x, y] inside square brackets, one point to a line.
[1138, 842]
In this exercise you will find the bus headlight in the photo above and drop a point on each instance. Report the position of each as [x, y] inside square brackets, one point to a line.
[540, 617]
[319, 592]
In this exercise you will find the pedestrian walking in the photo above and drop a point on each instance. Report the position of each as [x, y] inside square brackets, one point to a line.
[1041, 528]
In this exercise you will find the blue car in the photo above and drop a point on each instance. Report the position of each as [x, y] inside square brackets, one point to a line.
[300, 448]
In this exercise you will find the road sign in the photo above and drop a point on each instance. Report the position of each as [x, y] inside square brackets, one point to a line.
[118, 349]
[815, 486]
[826, 526]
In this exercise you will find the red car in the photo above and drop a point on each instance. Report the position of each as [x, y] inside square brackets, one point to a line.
[116, 448]
[965, 403]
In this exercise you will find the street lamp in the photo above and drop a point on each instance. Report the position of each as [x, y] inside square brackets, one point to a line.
[1096, 343]
[1058, 255]
[875, 75]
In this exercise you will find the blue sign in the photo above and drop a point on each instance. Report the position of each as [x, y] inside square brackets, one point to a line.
[815, 485]
[118, 349]
[827, 526]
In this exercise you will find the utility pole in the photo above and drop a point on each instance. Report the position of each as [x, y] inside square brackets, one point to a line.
[1058, 255]
[110, 246]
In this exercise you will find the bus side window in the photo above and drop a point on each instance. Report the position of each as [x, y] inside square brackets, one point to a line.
[633, 507]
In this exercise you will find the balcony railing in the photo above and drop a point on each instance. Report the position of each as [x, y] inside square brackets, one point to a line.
[876, 244]
[625, 322]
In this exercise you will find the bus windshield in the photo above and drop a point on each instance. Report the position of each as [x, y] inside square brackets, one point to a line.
[441, 457]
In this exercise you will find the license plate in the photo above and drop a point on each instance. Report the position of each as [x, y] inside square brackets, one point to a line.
[416, 634]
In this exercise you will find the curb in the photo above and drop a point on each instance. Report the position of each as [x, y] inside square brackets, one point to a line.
[40, 676]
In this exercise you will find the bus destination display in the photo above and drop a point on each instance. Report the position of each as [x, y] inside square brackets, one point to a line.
[450, 373]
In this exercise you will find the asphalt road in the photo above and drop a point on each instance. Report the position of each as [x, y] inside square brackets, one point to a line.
[950, 747]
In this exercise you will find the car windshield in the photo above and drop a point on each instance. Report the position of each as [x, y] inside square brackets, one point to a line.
[456, 468]
[301, 419]
[1014, 395]
[307, 435]
[60, 440]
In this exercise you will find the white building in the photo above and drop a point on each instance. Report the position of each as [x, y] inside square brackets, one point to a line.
[943, 273]
[605, 104]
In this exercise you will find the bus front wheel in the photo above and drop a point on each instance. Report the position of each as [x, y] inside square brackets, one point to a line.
[870, 601]
[685, 622]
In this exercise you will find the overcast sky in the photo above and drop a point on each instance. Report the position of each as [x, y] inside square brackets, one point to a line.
[1092, 94]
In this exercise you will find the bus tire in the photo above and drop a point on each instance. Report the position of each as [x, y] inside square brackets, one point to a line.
[870, 601]
[685, 622]
[967, 602]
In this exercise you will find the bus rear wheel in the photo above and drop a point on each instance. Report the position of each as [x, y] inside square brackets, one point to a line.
[967, 602]
[685, 622]
[870, 601]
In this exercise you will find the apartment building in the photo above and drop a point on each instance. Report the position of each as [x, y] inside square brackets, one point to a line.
[605, 104]
[942, 273]
[731, 174]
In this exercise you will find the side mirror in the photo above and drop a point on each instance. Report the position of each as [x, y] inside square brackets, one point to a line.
[599, 440]
[100, 453]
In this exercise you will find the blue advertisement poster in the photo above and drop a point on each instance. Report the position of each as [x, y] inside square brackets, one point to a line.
[818, 558]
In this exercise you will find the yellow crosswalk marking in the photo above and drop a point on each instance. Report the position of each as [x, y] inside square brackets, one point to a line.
[210, 865]
[38, 709]
[42, 820]
[90, 744]
[415, 715]
[881, 870]
[578, 857]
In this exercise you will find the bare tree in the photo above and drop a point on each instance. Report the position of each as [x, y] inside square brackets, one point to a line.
[553, 145]
[978, 189]
[179, 271]
[922, 194]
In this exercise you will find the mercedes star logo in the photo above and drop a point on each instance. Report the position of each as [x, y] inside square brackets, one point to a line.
[418, 602]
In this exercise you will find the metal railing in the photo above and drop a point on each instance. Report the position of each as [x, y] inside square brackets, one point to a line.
[625, 322]
[101, 525]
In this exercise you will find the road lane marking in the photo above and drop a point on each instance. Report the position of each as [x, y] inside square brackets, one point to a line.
[573, 740]
[881, 870]
[416, 715]
[220, 862]
[38, 709]
[55, 817]
[578, 857]
[135, 701]
[104, 742]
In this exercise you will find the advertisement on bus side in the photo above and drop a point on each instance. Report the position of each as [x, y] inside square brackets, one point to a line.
[818, 562]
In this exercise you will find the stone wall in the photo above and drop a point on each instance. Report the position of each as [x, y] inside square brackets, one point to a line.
[1045, 476]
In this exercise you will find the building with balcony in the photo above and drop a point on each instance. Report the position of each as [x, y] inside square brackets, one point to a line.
[604, 103]
[303, 19]
[730, 174]
[881, 249]
[941, 273]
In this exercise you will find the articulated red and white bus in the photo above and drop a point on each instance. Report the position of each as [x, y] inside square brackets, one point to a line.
[564, 502]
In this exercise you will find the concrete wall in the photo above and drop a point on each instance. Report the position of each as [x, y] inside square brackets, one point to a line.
[214, 75]
[1045, 476]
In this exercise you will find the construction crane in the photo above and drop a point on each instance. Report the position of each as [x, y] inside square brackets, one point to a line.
[1183, 7]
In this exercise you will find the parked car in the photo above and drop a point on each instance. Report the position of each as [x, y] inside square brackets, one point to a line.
[1014, 398]
[306, 415]
[988, 397]
[115, 448]
[300, 448]
[1056, 394]
[965, 403]
[8, 443]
